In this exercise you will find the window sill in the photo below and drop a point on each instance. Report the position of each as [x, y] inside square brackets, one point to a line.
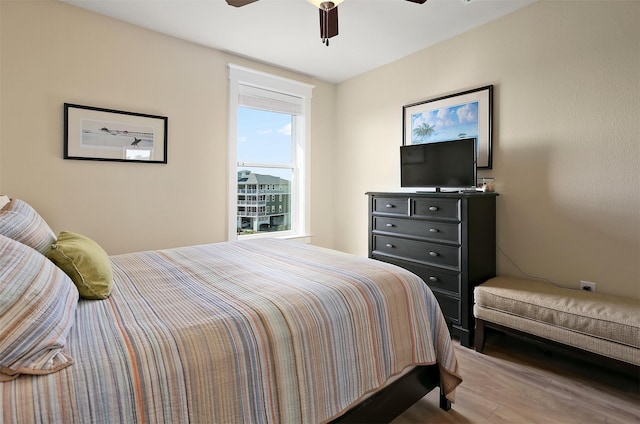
[305, 238]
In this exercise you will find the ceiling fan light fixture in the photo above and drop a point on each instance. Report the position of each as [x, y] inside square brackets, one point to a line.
[324, 5]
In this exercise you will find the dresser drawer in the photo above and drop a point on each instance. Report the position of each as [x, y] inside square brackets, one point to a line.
[450, 307]
[430, 253]
[440, 279]
[391, 205]
[436, 208]
[436, 278]
[432, 230]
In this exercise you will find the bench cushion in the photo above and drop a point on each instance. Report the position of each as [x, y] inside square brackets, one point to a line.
[606, 317]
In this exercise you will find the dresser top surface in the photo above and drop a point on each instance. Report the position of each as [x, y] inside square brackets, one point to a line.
[445, 194]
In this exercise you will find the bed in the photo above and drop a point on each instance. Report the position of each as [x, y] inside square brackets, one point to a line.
[257, 331]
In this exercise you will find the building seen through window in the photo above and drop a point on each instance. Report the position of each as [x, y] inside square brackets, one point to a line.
[264, 202]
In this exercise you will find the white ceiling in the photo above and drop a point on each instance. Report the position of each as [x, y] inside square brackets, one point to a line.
[286, 33]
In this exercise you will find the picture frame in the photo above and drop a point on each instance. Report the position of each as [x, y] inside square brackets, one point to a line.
[93, 133]
[467, 114]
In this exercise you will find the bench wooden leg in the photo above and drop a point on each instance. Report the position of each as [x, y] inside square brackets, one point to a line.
[480, 335]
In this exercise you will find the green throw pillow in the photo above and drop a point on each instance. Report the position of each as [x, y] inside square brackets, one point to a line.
[85, 262]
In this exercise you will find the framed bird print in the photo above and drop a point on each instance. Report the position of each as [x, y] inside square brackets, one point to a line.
[92, 133]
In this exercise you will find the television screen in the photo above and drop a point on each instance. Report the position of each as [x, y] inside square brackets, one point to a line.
[444, 164]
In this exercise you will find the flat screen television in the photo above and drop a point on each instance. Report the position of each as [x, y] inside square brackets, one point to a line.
[440, 165]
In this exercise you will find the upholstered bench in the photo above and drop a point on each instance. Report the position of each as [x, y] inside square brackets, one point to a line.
[603, 327]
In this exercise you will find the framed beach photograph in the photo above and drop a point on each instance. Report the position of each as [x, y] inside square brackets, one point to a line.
[467, 114]
[92, 133]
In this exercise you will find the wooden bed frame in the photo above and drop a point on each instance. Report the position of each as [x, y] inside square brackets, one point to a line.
[394, 399]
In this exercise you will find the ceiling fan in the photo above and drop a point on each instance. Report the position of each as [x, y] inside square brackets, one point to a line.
[328, 15]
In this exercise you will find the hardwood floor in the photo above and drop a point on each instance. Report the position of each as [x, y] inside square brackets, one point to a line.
[516, 382]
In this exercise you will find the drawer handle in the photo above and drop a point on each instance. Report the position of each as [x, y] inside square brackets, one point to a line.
[389, 245]
[434, 230]
[433, 208]
[433, 279]
[390, 225]
[432, 253]
[389, 206]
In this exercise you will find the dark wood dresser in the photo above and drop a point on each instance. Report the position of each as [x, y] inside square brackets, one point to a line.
[448, 239]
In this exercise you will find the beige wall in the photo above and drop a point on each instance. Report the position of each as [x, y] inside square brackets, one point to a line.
[566, 133]
[566, 136]
[54, 53]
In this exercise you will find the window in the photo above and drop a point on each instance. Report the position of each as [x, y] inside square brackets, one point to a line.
[268, 153]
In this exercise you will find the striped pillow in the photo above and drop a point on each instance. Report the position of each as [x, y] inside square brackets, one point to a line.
[20, 222]
[37, 309]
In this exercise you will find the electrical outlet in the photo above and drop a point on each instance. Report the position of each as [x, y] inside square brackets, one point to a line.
[588, 286]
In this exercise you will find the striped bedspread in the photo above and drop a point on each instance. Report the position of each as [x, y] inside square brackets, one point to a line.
[260, 331]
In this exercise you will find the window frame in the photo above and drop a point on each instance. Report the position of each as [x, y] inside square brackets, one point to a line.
[301, 135]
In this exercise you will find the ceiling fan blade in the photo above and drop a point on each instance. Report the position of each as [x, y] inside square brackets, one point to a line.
[239, 3]
[418, 1]
[328, 23]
